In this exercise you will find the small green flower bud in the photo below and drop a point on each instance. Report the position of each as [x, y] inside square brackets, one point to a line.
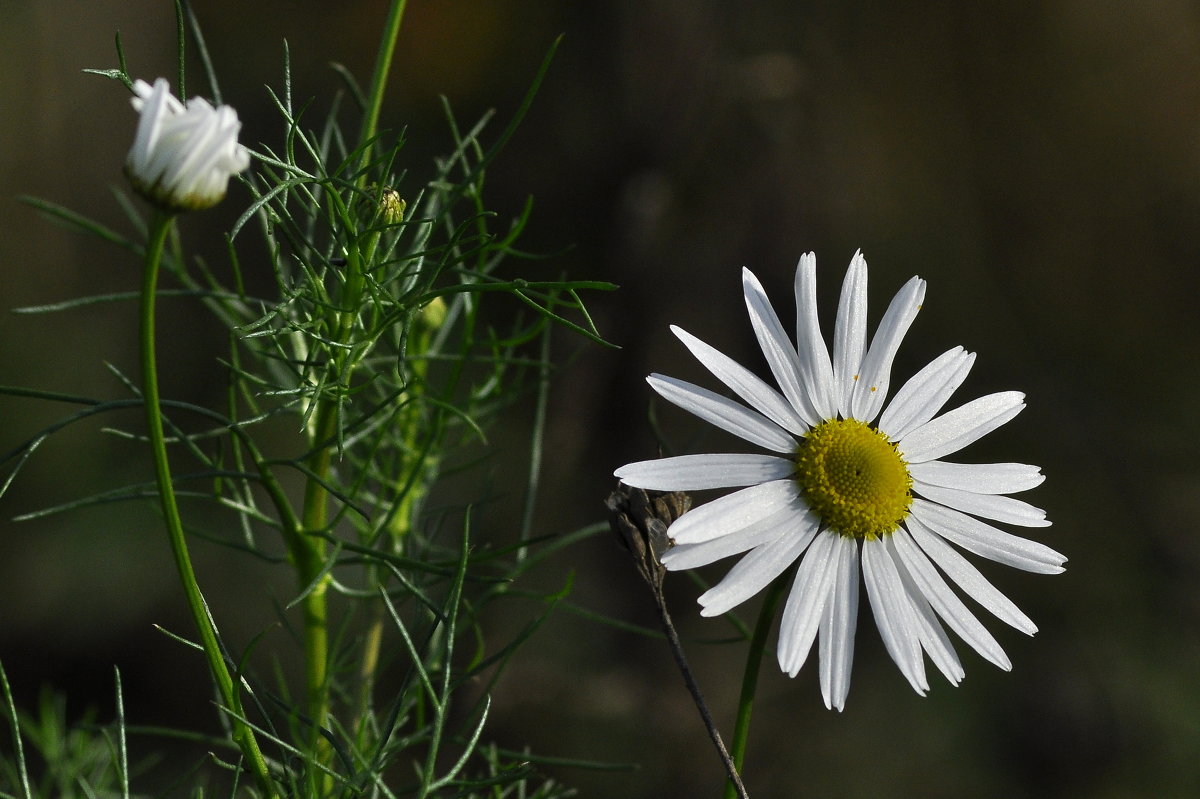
[392, 207]
[433, 313]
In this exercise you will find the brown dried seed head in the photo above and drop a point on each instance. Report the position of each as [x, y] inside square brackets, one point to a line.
[640, 519]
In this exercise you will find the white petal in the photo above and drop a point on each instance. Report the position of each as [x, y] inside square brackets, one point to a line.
[183, 156]
[723, 413]
[933, 637]
[753, 572]
[980, 478]
[744, 383]
[988, 506]
[816, 371]
[698, 472]
[806, 603]
[968, 578]
[141, 91]
[919, 399]
[776, 347]
[956, 429]
[838, 625]
[733, 512]
[894, 615]
[850, 332]
[152, 104]
[946, 602]
[987, 541]
[790, 520]
[871, 389]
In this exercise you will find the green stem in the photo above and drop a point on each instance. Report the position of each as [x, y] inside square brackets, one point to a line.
[383, 66]
[308, 548]
[242, 733]
[758, 644]
[308, 555]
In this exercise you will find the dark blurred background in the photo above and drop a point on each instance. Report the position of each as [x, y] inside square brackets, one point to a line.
[1037, 162]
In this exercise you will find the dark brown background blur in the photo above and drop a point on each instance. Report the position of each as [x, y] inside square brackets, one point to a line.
[1037, 162]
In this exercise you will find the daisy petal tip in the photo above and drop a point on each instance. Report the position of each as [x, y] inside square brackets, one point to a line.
[628, 474]
[788, 665]
[751, 285]
[917, 284]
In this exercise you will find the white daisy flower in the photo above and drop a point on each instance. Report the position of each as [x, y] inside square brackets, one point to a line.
[183, 155]
[850, 485]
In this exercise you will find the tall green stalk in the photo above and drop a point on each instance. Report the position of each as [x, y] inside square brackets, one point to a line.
[160, 226]
[383, 66]
[308, 548]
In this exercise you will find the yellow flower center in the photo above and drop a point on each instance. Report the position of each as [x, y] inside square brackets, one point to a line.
[854, 478]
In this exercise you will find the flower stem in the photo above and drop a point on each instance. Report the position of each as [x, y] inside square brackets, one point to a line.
[308, 555]
[758, 644]
[383, 65]
[731, 768]
[307, 546]
[242, 733]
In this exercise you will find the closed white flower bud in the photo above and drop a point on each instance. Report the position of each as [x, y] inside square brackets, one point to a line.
[183, 155]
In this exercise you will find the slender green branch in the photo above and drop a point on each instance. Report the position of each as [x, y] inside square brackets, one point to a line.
[537, 444]
[15, 720]
[242, 733]
[449, 623]
[758, 644]
[383, 65]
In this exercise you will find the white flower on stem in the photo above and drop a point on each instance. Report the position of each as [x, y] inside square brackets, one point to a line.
[183, 155]
[849, 488]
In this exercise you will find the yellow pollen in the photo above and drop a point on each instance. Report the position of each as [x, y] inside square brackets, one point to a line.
[854, 478]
